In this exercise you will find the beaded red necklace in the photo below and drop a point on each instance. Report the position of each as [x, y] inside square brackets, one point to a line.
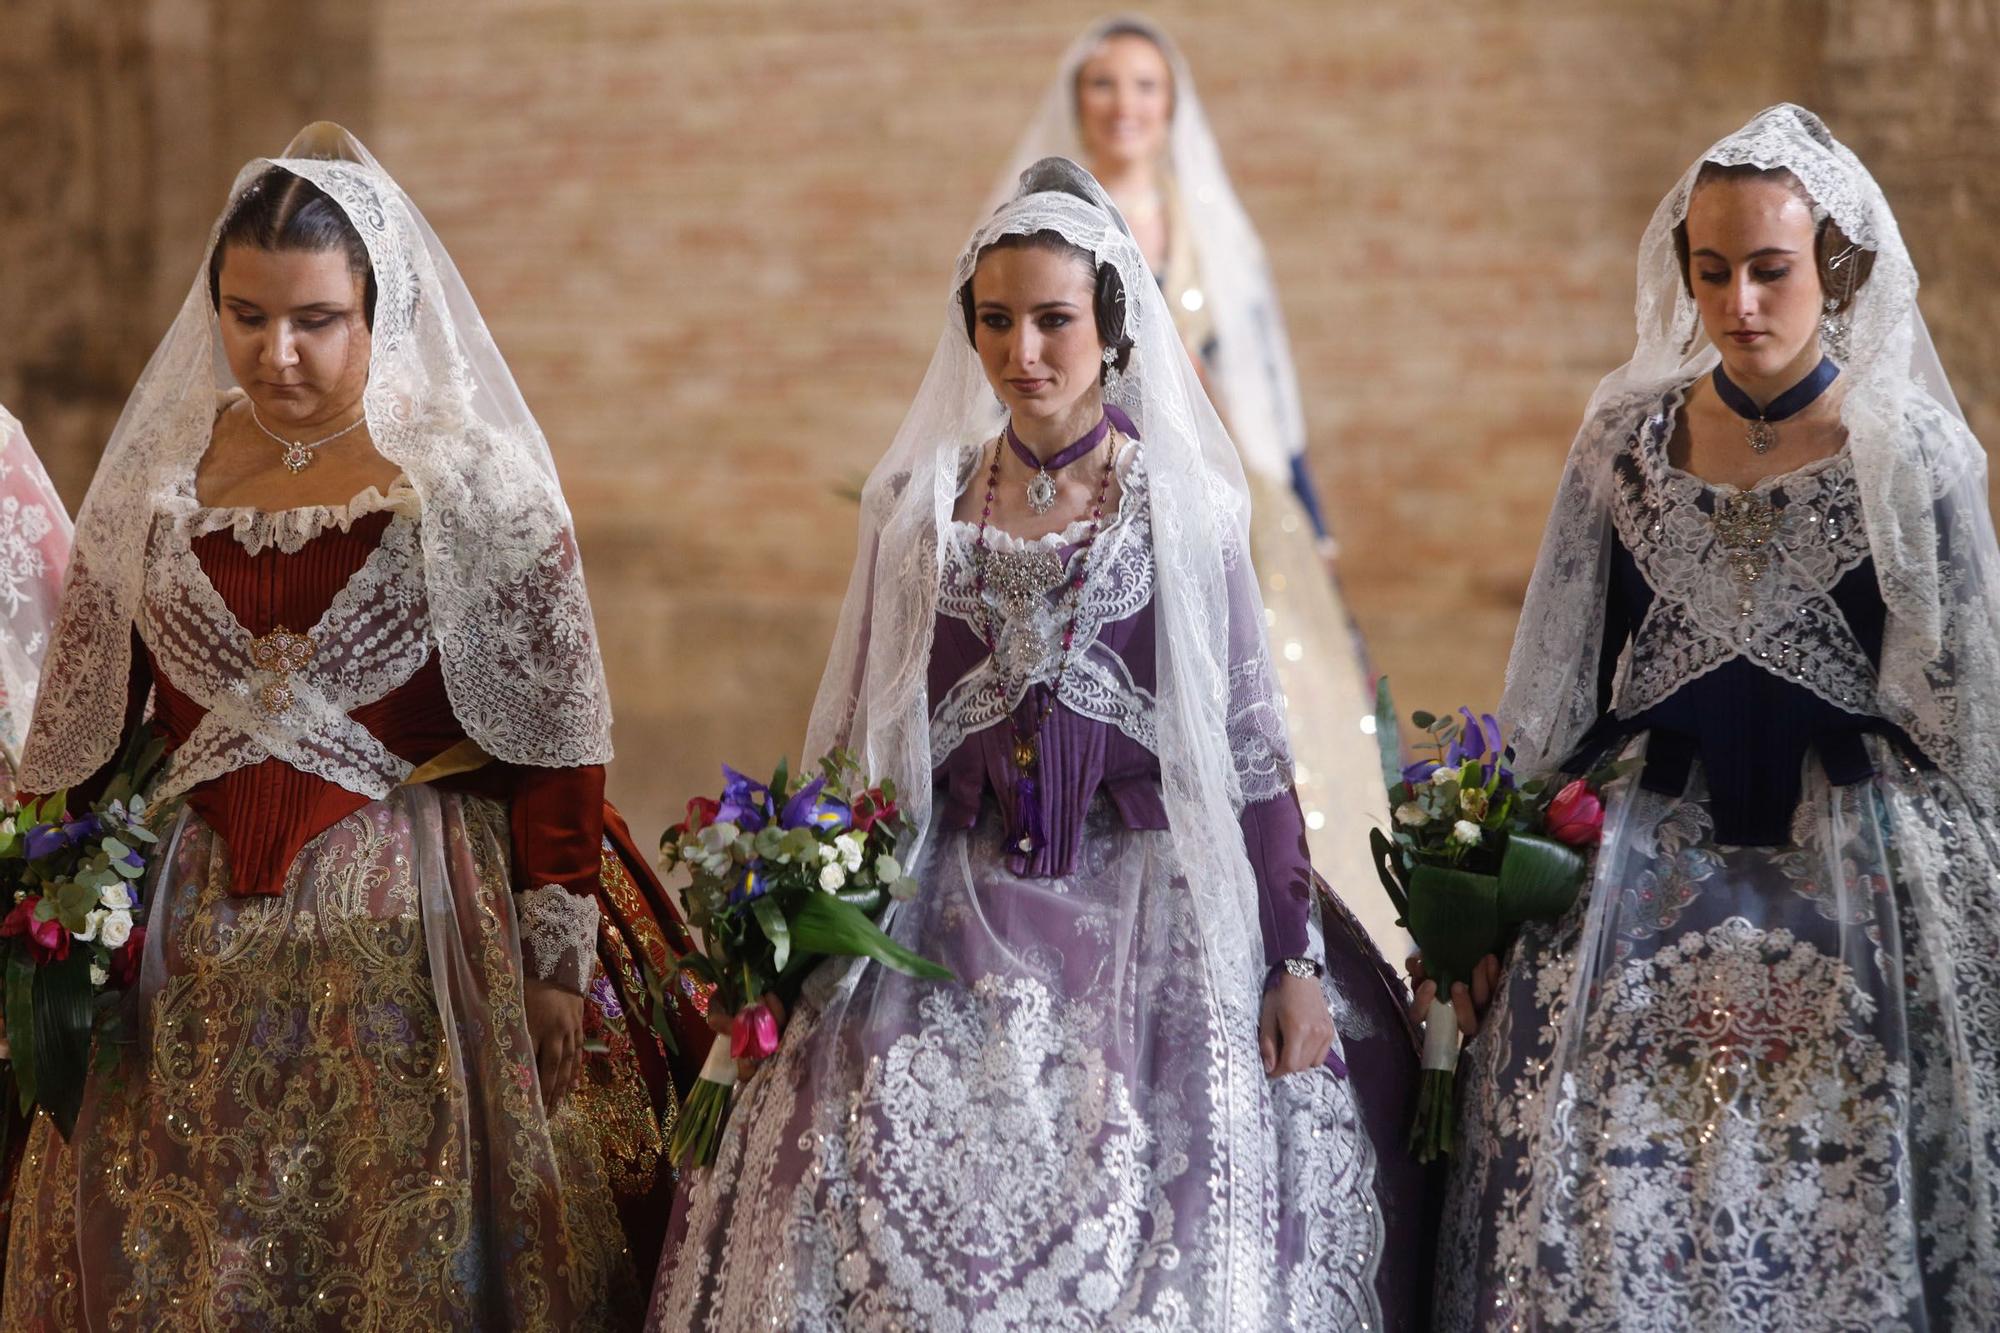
[1027, 739]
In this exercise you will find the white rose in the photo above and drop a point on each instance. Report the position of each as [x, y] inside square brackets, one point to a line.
[1412, 814]
[1466, 832]
[115, 897]
[91, 921]
[116, 930]
[98, 976]
[829, 853]
[832, 877]
[850, 852]
[1443, 774]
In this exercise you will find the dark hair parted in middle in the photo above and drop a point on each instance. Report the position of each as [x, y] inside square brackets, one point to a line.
[283, 211]
[1842, 265]
[1108, 300]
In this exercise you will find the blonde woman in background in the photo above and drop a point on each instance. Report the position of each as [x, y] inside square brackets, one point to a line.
[1124, 105]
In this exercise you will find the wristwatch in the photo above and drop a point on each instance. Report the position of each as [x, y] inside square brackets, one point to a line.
[1305, 969]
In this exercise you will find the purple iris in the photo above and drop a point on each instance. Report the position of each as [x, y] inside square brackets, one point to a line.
[807, 810]
[745, 804]
[753, 885]
[1420, 772]
[1481, 739]
[47, 839]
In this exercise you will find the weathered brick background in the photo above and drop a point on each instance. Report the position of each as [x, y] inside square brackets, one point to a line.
[712, 238]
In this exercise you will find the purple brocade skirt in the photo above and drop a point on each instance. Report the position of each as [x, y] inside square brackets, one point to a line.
[1077, 1134]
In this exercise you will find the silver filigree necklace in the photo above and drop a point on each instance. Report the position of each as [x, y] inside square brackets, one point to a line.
[299, 454]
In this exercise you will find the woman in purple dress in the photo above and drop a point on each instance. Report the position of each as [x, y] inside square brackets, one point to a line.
[1167, 1087]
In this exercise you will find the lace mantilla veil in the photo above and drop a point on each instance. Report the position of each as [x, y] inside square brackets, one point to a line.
[1254, 375]
[502, 577]
[1920, 474]
[35, 537]
[1221, 729]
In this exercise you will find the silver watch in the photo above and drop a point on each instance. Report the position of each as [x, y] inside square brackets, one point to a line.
[1303, 968]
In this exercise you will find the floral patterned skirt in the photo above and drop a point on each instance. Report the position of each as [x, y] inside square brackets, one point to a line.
[1076, 1135]
[329, 1116]
[1745, 1087]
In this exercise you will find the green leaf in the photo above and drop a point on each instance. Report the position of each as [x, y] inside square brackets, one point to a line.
[826, 925]
[21, 1022]
[772, 921]
[62, 1005]
[1455, 919]
[870, 901]
[1388, 866]
[778, 780]
[1539, 879]
[1388, 738]
[1424, 721]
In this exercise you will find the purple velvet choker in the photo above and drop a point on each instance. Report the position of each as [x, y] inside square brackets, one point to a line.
[1042, 486]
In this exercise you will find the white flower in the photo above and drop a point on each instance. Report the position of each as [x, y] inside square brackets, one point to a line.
[850, 851]
[7, 829]
[115, 897]
[1442, 774]
[832, 877]
[92, 919]
[98, 976]
[1466, 832]
[1412, 814]
[116, 930]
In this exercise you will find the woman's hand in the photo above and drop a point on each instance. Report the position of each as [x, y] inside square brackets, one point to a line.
[555, 1027]
[1296, 1030]
[1468, 1002]
[724, 1026]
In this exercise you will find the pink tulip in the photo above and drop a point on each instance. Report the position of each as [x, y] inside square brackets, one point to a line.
[1576, 815]
[754, 1035]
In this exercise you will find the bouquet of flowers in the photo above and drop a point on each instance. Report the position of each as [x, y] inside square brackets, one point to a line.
[1470, 856]
[68, 944]
[781, 877]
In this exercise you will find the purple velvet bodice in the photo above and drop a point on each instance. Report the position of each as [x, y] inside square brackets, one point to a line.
[1082, 756]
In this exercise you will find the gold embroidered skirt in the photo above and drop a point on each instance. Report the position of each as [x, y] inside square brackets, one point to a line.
[327, 1114]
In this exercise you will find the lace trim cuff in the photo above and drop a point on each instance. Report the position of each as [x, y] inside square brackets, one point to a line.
[558, 936]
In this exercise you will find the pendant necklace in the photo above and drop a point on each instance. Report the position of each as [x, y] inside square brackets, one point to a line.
[1042, 486]
[299, 453]
[1032, 836]
[1761, 423]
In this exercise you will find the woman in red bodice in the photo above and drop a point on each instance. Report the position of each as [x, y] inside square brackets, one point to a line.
[391, 1061]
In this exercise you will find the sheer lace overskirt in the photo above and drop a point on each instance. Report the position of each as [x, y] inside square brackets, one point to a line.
[329, 1117]
[1745, 1086]
[35, 538]
[501, 574]
[1052, 1144]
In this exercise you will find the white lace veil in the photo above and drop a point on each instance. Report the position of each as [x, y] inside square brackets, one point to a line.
[512, 626]
[1254, 375]
[1920, 473]
[1222, 738]
[34, 551]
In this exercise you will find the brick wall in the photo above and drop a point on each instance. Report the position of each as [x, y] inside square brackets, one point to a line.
[713, 240]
